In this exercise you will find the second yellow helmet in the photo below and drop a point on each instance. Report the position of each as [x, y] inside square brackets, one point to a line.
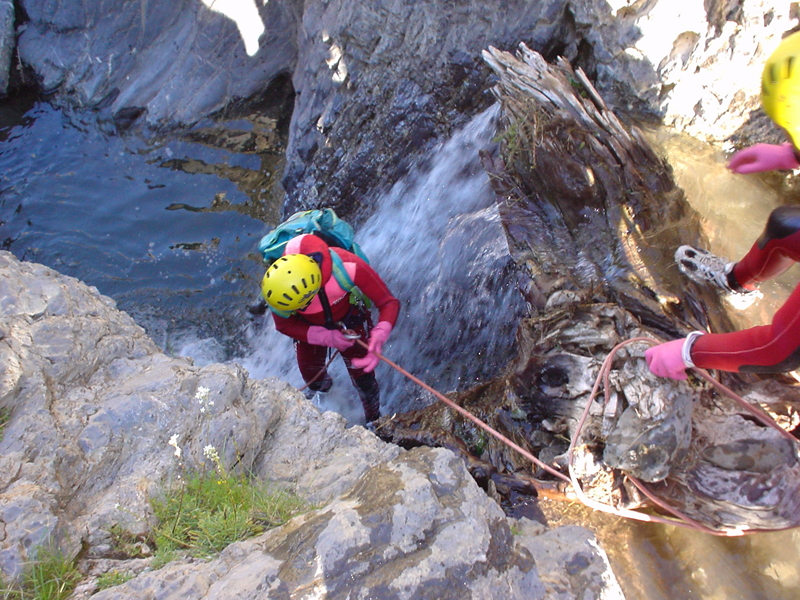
[780, 86]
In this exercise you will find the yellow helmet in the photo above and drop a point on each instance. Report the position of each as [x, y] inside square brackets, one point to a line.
[780, 86]
[291, 282]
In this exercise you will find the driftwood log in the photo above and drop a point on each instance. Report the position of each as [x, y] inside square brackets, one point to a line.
[593, 217]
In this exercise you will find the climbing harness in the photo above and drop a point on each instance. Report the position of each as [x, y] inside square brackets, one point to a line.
[678, 519]
[350, 335]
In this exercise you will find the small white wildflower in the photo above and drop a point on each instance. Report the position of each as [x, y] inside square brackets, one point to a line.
[173, 441]
[202, 398]
[211, 452]
[116, 506]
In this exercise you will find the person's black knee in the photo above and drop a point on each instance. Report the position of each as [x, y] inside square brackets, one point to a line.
[783, 222]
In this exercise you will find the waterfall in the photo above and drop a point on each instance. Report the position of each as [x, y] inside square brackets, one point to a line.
[437, 241]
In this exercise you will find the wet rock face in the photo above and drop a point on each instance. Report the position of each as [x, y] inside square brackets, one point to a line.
[380, 82]
[384, 80]
[6, 43]
[155, 63]
[686, 439]
[598, 251]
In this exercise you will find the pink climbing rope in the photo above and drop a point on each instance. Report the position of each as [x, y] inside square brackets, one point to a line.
[678, 518]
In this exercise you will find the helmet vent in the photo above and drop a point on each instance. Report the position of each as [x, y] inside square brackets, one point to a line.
[789, 67]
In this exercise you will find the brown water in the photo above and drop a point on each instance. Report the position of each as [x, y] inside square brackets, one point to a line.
[656, 562]
[734, 209]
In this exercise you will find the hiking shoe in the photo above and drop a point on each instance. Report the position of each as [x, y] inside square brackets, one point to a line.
[704, 267]
[319, 387]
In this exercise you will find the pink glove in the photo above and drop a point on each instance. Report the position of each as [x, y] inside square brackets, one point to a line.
[333, 338]
[377, 338]
[764, 157]
[666, 360]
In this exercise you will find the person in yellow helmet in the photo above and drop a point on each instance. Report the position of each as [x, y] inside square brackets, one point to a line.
[291, 283]
[311, 305]
[768, 348]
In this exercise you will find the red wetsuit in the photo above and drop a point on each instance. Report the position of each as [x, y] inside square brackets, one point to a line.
[768, 348]
[311, 358]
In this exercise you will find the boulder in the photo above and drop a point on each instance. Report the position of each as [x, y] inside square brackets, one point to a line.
[96, 415]
[159, 62]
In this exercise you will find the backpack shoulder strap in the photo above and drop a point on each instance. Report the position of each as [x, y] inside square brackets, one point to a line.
[344, 280]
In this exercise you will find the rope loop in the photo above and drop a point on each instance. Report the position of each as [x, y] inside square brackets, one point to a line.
[678, 519]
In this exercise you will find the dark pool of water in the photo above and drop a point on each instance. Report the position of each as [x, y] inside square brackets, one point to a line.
[115, 212]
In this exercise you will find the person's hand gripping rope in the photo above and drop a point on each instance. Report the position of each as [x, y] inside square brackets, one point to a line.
[377, 338]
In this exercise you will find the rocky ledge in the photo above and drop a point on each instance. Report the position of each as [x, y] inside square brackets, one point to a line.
[92, 404]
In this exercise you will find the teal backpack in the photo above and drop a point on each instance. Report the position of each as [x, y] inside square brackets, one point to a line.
[322, 222]
[325, 224]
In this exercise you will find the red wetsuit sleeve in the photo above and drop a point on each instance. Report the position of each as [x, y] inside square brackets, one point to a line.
[773, 348]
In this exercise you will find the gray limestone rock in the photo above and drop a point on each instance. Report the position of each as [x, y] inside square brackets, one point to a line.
[415, 527]
[97, 414]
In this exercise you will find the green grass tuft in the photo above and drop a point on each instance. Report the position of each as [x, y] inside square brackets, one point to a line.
[5, 417]
[50, 577]
[210, 511]
[111, 579]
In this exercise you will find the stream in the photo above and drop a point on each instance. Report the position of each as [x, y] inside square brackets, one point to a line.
[175, 247]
